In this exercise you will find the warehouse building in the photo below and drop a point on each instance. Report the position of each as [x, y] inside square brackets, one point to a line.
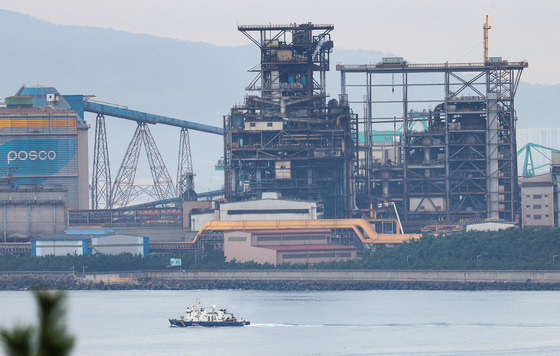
[43, 163]
[284, 246]
[270, 207]
[540, 197]
[43, 144]
[90, 241]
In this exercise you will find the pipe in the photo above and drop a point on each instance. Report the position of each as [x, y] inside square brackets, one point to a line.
[363, 229]
[5, 224]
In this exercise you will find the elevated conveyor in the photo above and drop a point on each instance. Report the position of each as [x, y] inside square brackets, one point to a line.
[138, 116]
[363, 229]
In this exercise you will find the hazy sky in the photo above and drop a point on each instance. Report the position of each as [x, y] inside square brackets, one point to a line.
[421, 31]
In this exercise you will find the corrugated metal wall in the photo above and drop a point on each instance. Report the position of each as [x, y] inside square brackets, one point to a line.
[42, 148]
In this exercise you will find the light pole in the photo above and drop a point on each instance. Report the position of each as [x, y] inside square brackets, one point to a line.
[407, 259]
[477, 257]
[554, 258]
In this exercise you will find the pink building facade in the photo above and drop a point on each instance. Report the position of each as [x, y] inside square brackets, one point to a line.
[284, 246]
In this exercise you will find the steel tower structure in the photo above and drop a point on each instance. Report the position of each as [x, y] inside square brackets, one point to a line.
[463, 165]
[287, 139]
[124, 189]
[185, 174]
[101, 174]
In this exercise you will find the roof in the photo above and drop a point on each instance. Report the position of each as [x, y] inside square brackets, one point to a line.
[536, 184]
[39, 92]
[89, 231]
[78, 237]
[308, 247]
[65, 237]
[492, 222]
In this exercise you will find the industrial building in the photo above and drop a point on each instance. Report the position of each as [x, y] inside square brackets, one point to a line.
[89, 241]
[454, 162]
[44, 163]
[425, 144]
[540, 197]
[287, 138]
[284, 246]
[44, 144]
[437, 140]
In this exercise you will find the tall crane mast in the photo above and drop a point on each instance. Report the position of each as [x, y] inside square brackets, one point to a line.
[485, 29]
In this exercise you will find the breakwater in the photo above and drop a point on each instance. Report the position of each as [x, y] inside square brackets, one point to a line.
[288, 280]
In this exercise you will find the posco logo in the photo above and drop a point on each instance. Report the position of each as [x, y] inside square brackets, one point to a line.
[31, 155]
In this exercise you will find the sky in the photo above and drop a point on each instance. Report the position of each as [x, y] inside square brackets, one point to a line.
[427, 31]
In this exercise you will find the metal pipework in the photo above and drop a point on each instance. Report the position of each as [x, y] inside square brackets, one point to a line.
[143, 117]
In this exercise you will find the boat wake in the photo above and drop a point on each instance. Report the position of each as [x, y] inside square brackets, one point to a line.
[286, 325]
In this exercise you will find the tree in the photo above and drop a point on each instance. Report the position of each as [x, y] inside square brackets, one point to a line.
[49, 338]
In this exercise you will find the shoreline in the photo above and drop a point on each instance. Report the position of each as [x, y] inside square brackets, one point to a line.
[286, 280]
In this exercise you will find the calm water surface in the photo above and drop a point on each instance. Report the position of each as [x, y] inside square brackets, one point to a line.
[309, 323]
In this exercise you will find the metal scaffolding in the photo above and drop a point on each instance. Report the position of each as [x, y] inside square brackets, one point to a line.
[462, 163]
[101, 175]
[288, 139]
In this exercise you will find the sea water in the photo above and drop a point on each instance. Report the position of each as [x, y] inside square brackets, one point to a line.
[134, 322]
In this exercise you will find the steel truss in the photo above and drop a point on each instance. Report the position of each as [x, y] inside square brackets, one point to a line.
[463, 164]
[309, 45]
[185, 175]
[124, 190]
[288, 139]
[101, 174]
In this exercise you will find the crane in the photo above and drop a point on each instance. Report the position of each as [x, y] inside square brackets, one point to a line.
[528, 163]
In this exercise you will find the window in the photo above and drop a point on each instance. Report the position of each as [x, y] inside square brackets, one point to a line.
[546, 206]
[294, 255]
[268, 211]
[343, 254]
[537, 196]
[537, 217]
[321, 255]
[546, 216]
[546, 195]
[528, 216]
[527, 206]
[237, 238]
[537, 206]
[252, 124]
[269, 124]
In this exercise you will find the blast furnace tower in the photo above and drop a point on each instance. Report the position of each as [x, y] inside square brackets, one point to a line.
[286, 138]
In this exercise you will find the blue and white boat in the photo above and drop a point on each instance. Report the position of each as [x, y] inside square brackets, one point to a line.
[209, 317]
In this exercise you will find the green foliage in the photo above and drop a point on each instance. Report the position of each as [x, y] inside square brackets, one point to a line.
[111, 263]
[511, 249]
[48, 338]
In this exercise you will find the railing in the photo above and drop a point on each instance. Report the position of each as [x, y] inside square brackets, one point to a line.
[404, 65]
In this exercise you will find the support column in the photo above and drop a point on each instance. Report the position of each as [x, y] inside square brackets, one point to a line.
[492, 164]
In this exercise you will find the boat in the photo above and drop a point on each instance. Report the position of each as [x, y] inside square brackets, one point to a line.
[208, 317]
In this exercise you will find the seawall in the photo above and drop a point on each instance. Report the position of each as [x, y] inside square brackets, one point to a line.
[287, 280]
[372, 275]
